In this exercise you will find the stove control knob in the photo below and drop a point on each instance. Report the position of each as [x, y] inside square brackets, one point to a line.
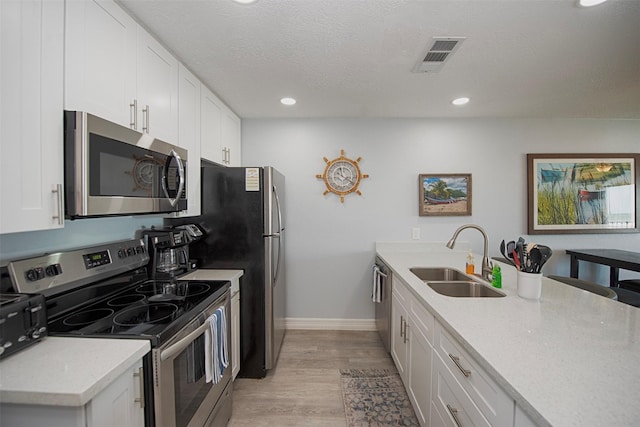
[53, 270]
[35, 335]
[35, 274]
[122, 253]
[130, 251]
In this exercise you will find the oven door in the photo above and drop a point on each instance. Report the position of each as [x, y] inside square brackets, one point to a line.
[183, 397]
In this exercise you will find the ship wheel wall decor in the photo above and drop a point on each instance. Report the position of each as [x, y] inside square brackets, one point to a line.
[342, 176]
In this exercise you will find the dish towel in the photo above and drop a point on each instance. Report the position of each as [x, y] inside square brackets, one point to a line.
[216, 355]
[376, 292]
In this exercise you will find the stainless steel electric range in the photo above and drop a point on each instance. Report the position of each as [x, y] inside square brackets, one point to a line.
[105, 291]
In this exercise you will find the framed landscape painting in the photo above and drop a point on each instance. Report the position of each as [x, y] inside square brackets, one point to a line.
[583, 193]
[444, 194]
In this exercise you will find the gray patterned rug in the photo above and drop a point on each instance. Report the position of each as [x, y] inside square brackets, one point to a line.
[375, 398]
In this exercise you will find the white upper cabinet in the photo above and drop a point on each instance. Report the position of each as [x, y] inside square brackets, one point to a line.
[231, 138]
[116, 70]
[31, 124]
[221, 131]
[189, 135]
[211, 125]
[100, 61]
[157, 89]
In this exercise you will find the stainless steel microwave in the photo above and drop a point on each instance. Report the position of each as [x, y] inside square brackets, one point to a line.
[113, 170]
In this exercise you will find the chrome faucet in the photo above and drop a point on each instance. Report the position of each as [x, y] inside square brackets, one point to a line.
[486, 265]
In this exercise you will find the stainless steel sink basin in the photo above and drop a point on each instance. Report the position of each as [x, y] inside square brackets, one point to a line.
[439, 274]
[464, 289]
[454, 283]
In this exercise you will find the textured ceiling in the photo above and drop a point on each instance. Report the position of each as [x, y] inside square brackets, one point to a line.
[353, 58]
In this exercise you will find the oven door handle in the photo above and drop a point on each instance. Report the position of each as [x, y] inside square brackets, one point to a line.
[177, 348]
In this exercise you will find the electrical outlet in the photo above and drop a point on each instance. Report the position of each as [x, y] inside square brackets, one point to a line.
[415, 233]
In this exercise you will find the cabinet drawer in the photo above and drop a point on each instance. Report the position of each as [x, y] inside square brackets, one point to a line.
[491, 400]
[400, 291]
[422, 319]
[450, 404]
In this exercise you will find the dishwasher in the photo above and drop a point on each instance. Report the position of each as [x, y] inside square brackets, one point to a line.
[382, 274]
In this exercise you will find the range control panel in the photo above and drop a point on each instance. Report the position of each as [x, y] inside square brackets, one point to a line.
[56, 272]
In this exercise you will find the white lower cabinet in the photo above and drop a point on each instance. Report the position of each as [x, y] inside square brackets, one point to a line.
[411, 349]
[445, 384]
[118, 404]
[121, 403]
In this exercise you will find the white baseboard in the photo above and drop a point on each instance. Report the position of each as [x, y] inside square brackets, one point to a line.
[331, 324]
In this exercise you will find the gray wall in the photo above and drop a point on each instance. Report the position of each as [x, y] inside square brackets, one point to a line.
[330, 246]
[75, 234]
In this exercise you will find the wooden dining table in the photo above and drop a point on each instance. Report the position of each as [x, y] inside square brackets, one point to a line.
[616, 259]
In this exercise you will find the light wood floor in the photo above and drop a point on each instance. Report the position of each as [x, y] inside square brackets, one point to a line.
[304, 389]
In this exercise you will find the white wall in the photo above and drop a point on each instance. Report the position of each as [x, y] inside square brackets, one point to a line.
[330, 246]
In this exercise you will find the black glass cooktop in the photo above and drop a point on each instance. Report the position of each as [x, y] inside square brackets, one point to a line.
[121, 307]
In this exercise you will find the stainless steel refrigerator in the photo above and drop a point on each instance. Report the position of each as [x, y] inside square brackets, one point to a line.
[243, 220]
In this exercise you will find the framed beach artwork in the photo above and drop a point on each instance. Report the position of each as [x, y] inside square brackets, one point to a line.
[444, 194]
[583, 193]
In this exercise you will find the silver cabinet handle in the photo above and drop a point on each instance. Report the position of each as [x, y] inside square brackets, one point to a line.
[60, 214]
[140, 375]
[454, 413]
[145, 123]
[456, 360]
[401, 326]
[133, 115]
[406, 325]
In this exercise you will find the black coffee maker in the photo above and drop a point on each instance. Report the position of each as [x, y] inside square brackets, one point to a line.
[169, 250]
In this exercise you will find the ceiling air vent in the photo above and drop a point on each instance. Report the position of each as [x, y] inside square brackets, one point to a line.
[439, 52]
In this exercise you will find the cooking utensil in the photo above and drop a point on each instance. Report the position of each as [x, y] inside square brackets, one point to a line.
[516, 259]
[545, 252]
[504, 254]
[536, 257]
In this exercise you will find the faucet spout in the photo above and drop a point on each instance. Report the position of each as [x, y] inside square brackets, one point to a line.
[486, 264]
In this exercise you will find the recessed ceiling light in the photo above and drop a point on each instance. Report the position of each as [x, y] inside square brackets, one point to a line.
[589, 3]
[288, 101]
[460, 101]
[245, 1]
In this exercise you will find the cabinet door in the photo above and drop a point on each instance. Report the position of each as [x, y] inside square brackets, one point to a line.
[398, 336]
[419, 387]
[210, 125]
[31, 126]
[100, 61]
[157, 89]
[189, 135]
[116, 405]
[231, 138]
[235, 334]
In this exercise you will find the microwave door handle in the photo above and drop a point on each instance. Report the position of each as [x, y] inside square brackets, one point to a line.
[165, 178]
[177, 348]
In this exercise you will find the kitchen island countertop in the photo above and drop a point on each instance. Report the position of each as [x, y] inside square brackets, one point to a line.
[61, 371]
[568, 359]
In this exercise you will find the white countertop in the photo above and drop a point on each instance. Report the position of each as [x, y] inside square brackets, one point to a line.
[209, 274]
[571, 358]
[63, 371]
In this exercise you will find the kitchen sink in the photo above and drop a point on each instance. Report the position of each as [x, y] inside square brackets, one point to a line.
[429, 274]
[454, 283]
[464, 289]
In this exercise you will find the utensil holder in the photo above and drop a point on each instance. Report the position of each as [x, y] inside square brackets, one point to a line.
[529, 285]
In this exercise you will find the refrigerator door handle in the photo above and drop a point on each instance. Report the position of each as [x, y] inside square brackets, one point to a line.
[277, 234]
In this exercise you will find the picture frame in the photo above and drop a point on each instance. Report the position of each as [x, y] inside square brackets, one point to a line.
[444, 194]
[583, 193]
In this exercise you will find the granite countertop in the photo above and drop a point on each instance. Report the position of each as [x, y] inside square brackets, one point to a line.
[62, 371]
[568, 359]
[210, 274]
